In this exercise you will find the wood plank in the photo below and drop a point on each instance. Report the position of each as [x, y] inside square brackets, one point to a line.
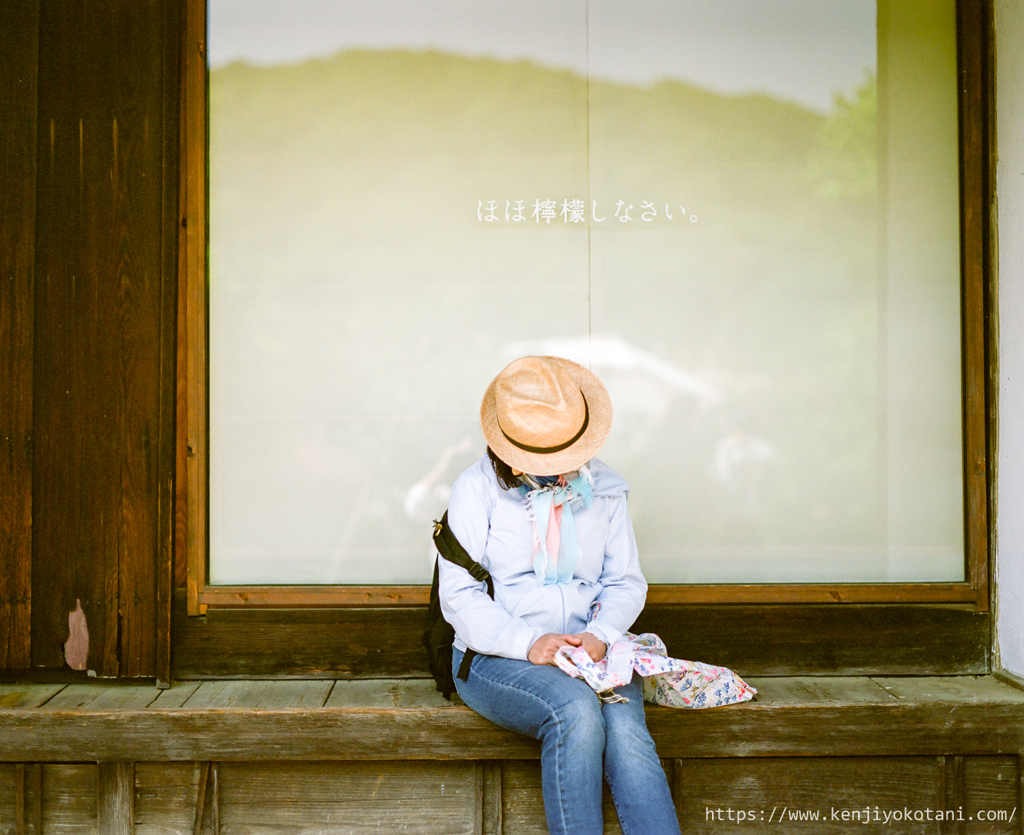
[491, 800]
[70, 799]
[259, 694]
[749, 795]
[752, 640]
[958, 689]
[393, 693]
[523, 802]
[12, 799]
[176, 695]
[819, 690]
[19, 21]
[27, 695]
[950, 793]
[135, 269]
[298, 643]
[104, 697]
[116, 801]
[348, 798]
[33, 805]
[164, 798]
[826, 640]
[77, 443]
[990, 795]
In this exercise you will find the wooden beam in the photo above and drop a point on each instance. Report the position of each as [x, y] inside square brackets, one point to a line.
[28, 799]
[276, 597]
[752, 639]
[193, 158]
[491, 802]
[974, 27]
[166, 442]
[116, 806]
[792, 730]
[200, 804]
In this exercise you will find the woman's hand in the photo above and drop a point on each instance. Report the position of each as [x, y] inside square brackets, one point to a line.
[544, 648]
[595, 647]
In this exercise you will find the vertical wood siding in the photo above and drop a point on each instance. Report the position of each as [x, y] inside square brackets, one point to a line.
[713, 796]
[88, 255]
[18, 58]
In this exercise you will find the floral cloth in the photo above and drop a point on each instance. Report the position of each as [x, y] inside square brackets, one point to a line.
[671, 682]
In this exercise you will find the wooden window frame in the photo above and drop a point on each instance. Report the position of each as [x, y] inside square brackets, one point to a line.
[974, 38]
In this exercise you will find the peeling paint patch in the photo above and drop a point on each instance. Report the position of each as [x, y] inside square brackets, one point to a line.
[76, 648]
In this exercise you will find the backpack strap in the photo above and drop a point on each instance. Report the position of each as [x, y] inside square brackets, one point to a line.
[449, 547]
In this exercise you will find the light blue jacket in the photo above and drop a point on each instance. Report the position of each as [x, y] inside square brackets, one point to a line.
[492, 525]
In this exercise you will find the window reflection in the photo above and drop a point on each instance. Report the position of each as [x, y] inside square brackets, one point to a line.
[745, 224]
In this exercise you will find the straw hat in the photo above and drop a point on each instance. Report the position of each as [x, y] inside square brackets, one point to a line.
[545, 415]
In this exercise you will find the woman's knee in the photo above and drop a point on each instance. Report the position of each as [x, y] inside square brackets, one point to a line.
[577, 718]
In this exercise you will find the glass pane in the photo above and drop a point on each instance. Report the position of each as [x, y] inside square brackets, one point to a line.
[742, 215]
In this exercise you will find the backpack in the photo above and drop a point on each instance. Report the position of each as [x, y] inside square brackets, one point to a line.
[439, 635]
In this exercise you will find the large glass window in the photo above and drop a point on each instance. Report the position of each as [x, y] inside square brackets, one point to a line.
[743, 216]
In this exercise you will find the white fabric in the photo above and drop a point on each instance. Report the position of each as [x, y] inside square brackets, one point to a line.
[492, 525]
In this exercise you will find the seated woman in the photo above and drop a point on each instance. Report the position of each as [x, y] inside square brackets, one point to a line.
[551, 526]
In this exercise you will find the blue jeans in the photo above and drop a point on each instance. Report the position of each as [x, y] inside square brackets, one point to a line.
[578, 736]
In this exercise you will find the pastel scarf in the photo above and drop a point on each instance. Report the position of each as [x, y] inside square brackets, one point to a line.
[556, 551]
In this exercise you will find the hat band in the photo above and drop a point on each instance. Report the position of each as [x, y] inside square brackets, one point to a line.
[547, 450]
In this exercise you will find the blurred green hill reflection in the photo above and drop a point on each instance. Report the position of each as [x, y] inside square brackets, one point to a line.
[360, 302]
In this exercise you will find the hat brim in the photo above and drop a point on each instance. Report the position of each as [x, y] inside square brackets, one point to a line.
[571, 458]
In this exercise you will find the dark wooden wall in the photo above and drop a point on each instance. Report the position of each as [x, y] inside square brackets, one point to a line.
[88, 167]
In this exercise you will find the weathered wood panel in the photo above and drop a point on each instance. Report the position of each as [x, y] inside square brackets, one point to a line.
[991, 795]
[298, 643]
[176, 695]
[70, 804]
[104, 331]
[820, 690]
[397, 693]
[839, 640]
[19, 21]
[165, 798]
[27, 695]
[113, 727]
[807, 795]
[827, 640]
[897, 794]
[347, 798]
[956, 689]
[21, 799]
[77, 416]
[11, 798]
[92, 697]
[260, 694]
[522, 801]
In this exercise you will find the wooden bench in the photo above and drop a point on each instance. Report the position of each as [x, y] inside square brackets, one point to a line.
[169, 757]
[407, 719]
